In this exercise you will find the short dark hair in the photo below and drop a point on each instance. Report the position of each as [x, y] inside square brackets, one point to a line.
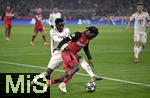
[58, 20]
[140, 4]
[93, 29]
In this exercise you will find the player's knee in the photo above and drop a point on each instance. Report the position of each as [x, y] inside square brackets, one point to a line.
[143, 45]
[73, 71]
[43, 34]
[136, 43]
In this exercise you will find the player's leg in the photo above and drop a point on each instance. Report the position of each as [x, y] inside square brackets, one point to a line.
[67, 76]
[34, 36]
[6, 32]
[9, 31]
[54, 62]
[64, 79]
[143, 40]
[136, 47]
[88, 69]
[71, 66]
[44, 37]
[70, 73]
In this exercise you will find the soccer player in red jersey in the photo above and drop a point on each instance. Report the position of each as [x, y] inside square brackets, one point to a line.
[7, 17]
[39, 27]
[70, 46]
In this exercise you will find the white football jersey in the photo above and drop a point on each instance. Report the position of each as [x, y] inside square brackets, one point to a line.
[140, 21]
[53, 17]
[57, 37]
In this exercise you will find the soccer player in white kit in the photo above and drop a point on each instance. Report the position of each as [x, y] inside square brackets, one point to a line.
[53, 16]
[57, 35]
[141, 19]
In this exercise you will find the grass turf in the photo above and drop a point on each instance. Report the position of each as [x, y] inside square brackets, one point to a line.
[112, 54]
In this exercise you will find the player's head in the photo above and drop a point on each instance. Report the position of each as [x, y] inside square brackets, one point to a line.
[59, 22]
[39, 10]
[91, 32]
[55, 10]
[8, 8]
[140, 7]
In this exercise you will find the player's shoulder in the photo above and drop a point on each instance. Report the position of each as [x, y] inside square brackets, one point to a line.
[145, 13]
[53, 30]
[66, 29]
[51, 14]
[134, 14]
[76, 34]
[59, 13]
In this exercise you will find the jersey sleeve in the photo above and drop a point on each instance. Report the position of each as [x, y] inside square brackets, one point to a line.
[55, 36]
[3, 15]
[67, 31]
[49, 21]
[59, 15]
[36, 16]
[72, 37]
[132, 17]
[87, 51]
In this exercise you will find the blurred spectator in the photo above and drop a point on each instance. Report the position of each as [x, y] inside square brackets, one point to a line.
[74, 9]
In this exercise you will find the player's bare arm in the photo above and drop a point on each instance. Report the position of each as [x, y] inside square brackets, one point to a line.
[88, 54]
[128, 26]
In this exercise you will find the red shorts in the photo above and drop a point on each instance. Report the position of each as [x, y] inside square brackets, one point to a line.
[39, 29]
[69, 59]
[7, 26]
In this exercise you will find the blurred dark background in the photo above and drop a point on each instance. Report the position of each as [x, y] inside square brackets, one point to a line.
[74, 9]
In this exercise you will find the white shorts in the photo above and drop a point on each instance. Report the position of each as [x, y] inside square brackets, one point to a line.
[140, 37]
[55, 60]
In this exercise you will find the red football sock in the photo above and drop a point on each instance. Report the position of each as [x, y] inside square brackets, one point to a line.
[57, 80]
[66, 79]
[53, 81]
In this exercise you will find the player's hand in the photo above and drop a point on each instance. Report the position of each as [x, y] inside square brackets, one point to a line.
[44, 28]
[90, 62]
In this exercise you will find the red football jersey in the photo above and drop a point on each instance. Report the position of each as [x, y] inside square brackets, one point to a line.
[78, 44]
[8, 17]
[39, 19]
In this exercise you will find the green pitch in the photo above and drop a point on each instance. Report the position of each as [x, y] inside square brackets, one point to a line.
[112, 54]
